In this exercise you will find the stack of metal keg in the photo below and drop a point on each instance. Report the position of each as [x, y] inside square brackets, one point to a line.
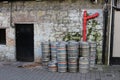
[61, 57]
[72, 49]
[93, 47]
[84, 59]
[65, 56]
[53, 51]
[45, 53]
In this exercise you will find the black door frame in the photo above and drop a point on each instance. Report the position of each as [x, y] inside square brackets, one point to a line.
[113, 59]
[105, 25]
[16, 38]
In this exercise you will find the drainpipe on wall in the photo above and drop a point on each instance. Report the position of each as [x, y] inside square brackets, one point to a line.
[108, 63]
[11, 14]
[85, 19]
[105, 25]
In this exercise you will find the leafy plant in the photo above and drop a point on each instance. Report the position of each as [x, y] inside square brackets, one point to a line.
[76, 36]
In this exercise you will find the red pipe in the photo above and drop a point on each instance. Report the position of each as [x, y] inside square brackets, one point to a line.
[85, 19]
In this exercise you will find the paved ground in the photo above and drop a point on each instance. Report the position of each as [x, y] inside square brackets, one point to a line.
[13, 72]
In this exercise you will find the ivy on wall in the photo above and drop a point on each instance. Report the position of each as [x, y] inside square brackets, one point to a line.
[94, 33]
[76, 36]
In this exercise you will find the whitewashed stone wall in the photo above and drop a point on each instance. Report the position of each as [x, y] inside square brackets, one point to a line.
[52, 20]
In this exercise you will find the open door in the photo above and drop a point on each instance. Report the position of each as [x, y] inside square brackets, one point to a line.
[24, 42]
[115, 35]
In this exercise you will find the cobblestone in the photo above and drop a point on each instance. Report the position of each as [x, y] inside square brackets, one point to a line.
[12, 72]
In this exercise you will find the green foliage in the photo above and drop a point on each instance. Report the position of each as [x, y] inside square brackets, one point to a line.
[93, 31]
[72, 36]
[95, 34]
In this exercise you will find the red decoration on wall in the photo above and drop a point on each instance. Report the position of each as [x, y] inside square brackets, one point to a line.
[85, 19]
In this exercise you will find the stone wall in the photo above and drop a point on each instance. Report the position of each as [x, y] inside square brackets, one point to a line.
[52, 20]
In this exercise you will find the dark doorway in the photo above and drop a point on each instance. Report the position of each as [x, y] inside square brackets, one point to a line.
[3, 36]
[24, 42]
